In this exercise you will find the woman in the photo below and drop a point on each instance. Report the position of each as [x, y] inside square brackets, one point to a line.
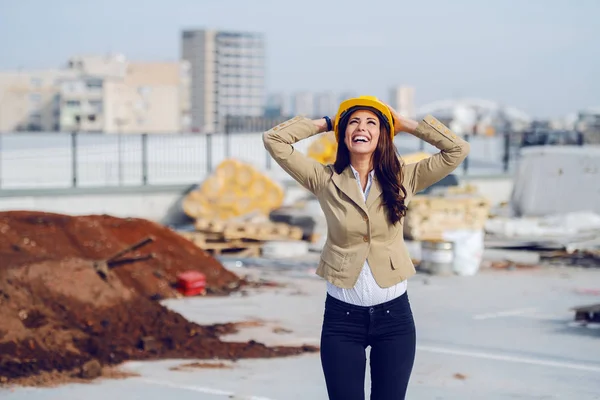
[365, 262]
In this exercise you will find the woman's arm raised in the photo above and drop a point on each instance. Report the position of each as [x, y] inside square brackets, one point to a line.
[279, 142]
[453, 151]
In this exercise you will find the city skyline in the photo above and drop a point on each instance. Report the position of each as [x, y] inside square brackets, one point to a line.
[537, 55]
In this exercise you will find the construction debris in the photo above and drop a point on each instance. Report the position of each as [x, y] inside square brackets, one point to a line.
[191, 283]
[72, 305]
[248, 229]
[555, 180]
[209, 365]
[507, 265]
[234, 189]
[102, 267]
[583, 258]
[562, 239]
[323, 148]
[231, 211]
[587, 315]
[240, 236]
[429, 216]
[280, 249]
[460, 376]
[563, 229]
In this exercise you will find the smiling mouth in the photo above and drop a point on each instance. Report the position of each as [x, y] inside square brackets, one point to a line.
[360, 139]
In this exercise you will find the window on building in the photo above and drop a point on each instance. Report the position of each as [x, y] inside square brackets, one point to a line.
[94, 83]
[96, 105]
[35, 118]
[73, 103]
[91, 118]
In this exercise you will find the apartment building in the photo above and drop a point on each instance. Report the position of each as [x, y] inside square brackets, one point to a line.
[113, 95]
[150, 97]
[227, 71]
[30, 100]
[98, 94]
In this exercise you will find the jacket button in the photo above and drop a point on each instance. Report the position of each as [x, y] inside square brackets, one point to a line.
[365, 238]
[365, 218]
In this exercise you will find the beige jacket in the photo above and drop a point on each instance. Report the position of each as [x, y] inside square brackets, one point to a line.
[357, 231]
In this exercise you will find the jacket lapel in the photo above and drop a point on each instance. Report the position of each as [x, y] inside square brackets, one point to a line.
[348, 185]
[374, 193]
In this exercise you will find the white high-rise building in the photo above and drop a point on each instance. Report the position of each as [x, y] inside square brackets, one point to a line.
[227, 76]
[402, 98]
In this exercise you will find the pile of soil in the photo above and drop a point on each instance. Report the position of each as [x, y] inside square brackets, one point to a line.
[59, 316]
[32, 237]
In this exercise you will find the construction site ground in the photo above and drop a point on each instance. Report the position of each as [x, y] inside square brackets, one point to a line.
[501, 334]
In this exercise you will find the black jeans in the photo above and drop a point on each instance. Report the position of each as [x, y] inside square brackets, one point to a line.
[388, 328]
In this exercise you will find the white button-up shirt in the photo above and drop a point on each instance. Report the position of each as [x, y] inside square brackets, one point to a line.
[366, 292]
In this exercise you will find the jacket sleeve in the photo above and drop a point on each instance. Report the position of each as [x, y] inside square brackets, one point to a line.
[453, 151]
[279, 143]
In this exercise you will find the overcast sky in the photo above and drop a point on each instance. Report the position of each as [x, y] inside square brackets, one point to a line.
[542, 56]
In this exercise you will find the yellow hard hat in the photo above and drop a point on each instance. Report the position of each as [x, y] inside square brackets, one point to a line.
[366, 101]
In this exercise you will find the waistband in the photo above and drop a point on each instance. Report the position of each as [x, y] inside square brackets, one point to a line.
[400, 300]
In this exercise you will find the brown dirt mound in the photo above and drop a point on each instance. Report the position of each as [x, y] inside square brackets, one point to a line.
[31, 237]
[59, 318]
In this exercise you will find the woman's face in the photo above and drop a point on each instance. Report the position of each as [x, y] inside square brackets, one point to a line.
[362, 132]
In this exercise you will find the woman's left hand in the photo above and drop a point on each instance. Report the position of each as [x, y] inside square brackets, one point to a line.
[402, 124]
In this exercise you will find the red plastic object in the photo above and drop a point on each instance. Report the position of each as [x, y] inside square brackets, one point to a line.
[191, 283]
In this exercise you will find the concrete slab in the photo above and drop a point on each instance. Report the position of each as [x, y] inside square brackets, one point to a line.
[496, 335]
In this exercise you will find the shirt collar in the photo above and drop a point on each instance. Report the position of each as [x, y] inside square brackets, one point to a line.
[355, 172]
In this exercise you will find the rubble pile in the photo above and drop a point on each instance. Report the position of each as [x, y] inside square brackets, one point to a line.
[59, 315]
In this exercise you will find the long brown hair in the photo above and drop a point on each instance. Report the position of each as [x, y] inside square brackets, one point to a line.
[386, 161]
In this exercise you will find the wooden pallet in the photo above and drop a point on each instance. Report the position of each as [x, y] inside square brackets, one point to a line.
[215, 245]
[249, 230]
[430, 215]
